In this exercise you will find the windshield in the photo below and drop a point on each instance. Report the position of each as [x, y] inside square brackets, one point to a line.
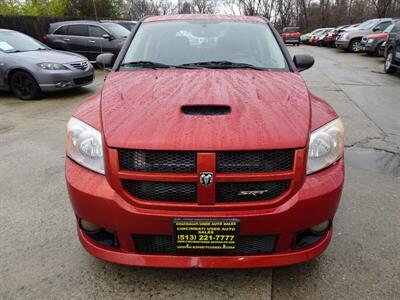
[389, 29]
[117, 30]
[190, 42]
[11, 41]
[316, 31]
[367, 24]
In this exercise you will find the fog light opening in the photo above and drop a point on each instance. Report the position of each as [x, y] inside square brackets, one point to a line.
[63, 84]
[88, 227]
[311, 235]
[321, 228]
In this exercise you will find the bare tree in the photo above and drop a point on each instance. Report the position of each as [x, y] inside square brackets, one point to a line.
[204, 6]
[185, 7]
[140, 8]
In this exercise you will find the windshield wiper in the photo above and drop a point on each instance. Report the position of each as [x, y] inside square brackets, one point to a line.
[145, 64]
[223, 64]
[155, 65]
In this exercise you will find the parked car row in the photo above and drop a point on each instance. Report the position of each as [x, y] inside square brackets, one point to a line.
[62, 61]
[379, 37]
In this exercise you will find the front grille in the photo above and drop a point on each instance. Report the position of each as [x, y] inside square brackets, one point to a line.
[80, 65]
[164, 244]
[162, 191]
[233, 162]
[158, 161]
[84, 80]
[227, 162]
[255, 161]
[250, 191]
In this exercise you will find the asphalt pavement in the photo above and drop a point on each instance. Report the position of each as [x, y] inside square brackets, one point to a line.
[40, 255]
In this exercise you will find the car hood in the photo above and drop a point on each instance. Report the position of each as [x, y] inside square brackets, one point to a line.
[53, 56]
[352, 29]
[359, 32]
[143, 110]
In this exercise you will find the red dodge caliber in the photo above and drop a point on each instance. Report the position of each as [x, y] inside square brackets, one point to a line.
[205, 149]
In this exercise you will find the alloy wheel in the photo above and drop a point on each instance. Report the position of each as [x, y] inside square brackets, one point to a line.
[389, 59]
[24, 86]
[356, 46]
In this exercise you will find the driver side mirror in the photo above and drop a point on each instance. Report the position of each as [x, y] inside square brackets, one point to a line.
[376, 29]
[105, 61]
[108, 37]
[303, 62]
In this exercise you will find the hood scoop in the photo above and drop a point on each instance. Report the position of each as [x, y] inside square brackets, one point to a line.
[206, 110]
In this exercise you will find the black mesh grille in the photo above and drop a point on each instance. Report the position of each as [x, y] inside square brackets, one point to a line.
[158, 161]
[250, 191]
[255, 161]
[84, 80]
[164, 244]
[162, 191]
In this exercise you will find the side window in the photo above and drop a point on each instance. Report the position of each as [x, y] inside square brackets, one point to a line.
[383, 25]
[61, 31]
[396, 28]
[96, 31]
[78, 30]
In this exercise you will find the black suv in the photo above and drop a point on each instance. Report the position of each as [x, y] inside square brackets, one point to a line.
[89, 38]
[392, 49]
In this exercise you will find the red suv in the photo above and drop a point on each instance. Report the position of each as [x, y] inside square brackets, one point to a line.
[291, 35]
[205, 149]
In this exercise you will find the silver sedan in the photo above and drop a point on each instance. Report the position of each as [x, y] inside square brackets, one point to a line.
[28, 67]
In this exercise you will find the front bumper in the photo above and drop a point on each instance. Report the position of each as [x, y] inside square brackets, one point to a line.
[64, 79]
[291, 40]
[342, 44]
[94, 200]
[373, 47]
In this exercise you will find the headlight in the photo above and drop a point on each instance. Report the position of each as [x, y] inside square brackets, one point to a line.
[52, 66]
[370, 41]
[85, 145]
[326, 146]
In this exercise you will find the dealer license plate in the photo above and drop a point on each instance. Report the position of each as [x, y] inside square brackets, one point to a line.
[206, 235]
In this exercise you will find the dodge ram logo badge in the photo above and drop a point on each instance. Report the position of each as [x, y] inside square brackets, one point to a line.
[206, 178]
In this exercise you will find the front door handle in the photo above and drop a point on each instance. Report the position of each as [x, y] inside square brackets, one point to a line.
[92, 41]
[67, 40]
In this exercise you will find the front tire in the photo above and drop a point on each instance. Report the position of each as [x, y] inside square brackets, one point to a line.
[355, 46]
[24, 86]
[389, 68]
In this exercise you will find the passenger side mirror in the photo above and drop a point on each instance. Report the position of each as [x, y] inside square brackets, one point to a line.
[303, 62]
[105, 61]
[108, 37]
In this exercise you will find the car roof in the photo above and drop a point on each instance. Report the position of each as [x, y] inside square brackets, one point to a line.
[118, 21]
[54, 26]
[245, 19]
[75, 22]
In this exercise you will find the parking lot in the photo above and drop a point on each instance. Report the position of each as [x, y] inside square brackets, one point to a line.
[41, 255]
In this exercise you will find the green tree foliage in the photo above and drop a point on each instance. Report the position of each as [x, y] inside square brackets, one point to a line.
[94, 8]
[73, 8]
[44, 7]
[10, 7]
